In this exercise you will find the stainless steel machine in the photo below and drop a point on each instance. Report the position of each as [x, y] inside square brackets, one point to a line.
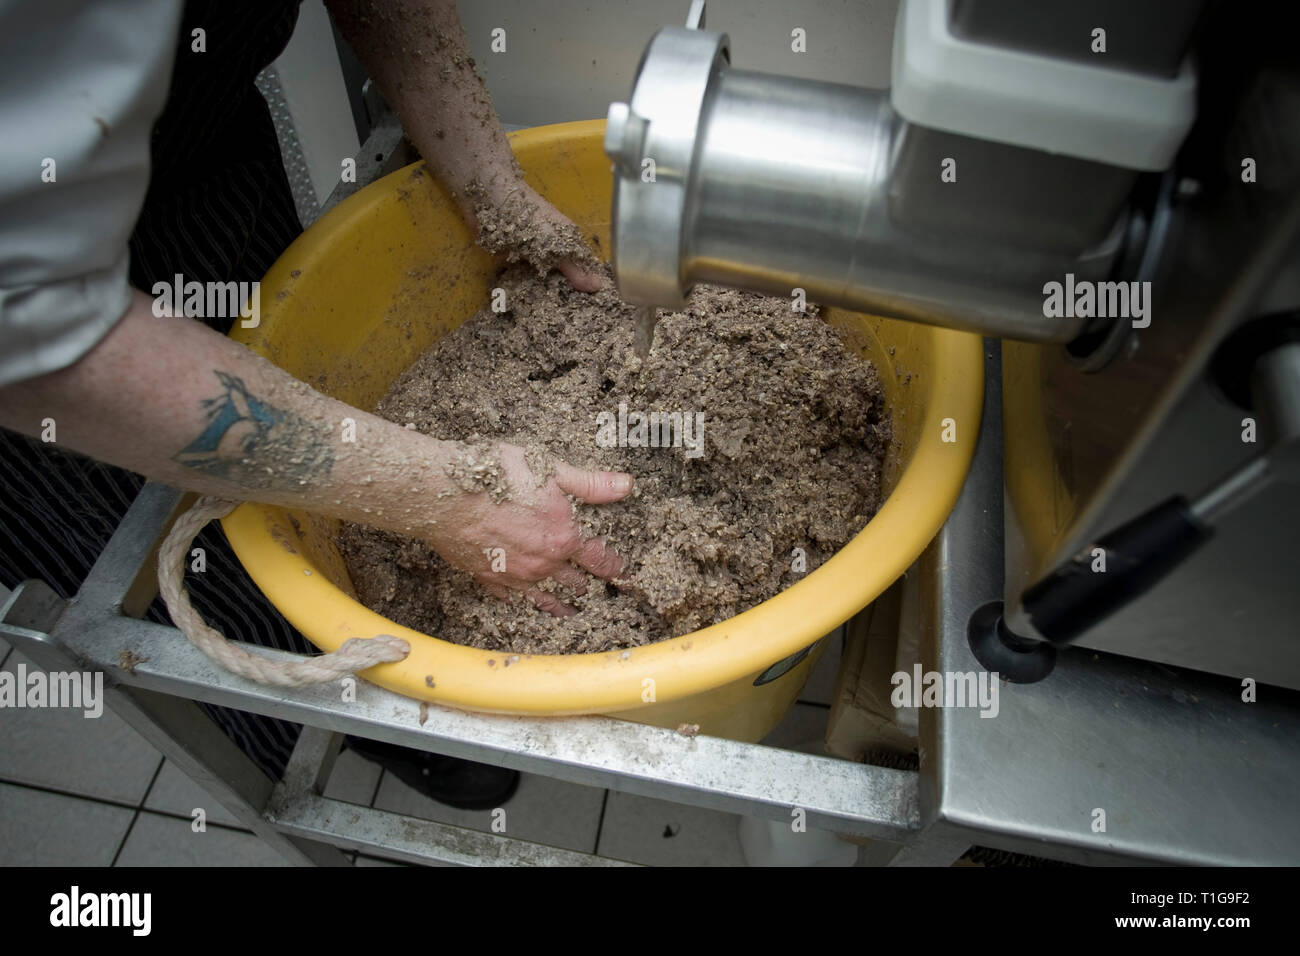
[1112, 189]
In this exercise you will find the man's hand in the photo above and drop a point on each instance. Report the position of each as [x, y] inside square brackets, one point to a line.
[179, 403]
[416, 52]
[578, 273]
[550, 239]
[530, 537]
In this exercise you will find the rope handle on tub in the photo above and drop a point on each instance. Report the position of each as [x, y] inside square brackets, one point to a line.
[356, 654]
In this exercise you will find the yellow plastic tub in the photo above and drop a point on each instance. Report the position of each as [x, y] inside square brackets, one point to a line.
[376, 281]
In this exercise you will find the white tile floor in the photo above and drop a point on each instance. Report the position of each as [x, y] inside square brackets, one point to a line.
[92, 792]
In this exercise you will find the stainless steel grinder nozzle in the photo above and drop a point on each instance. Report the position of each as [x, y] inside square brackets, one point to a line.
[774, 183]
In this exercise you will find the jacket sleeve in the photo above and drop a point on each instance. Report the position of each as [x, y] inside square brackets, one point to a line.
[81, 84]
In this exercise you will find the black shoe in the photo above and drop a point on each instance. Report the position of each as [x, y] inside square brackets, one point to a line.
[457, 783]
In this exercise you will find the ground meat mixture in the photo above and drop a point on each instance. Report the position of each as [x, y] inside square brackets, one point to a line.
[776, 465]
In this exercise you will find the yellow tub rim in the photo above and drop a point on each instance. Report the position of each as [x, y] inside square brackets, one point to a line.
[622, 680]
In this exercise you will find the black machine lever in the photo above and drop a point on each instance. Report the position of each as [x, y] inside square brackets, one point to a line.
[1126, 563]
[1138, 554]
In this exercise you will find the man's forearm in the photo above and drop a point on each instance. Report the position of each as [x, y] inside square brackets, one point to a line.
[416, 52]
[173, 400]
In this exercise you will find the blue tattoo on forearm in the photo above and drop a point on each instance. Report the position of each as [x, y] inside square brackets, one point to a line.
[250, 442]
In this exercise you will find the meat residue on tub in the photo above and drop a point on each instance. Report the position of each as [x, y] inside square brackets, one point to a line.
[779, 463]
